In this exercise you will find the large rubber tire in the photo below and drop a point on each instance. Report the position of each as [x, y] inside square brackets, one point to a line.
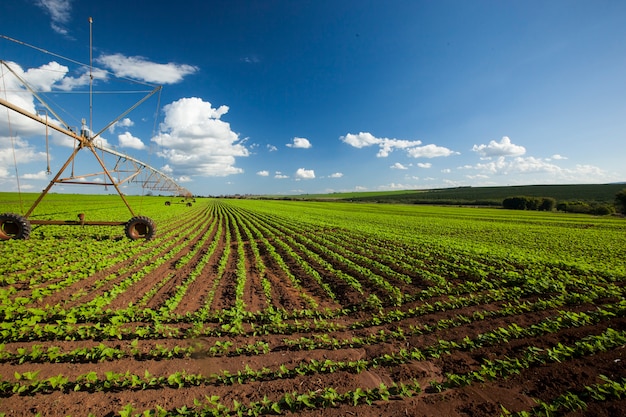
[140, 227]
[14, 226]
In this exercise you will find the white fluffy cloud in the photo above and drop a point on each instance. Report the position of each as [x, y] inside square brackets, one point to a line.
[336, 175]
[126, 140]
[503, 166]
[430, 151]
[300, 143]
[59, 11]
[361, 140]
[504, 158]
[16, 150]
[543, 167]
[45, 76]
[140, 68]
[14, 92]
[502, 148]
[81, 79]
[398, 165]
[125, 122]
[263, 173]
[305, 174]
[98, 141]
[387, 145]
[194, 140]
[41, 175]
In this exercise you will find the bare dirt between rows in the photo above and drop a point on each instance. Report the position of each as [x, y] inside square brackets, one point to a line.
[484, 399]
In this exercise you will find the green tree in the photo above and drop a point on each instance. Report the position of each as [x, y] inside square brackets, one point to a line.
[620, 201]
[547, 204]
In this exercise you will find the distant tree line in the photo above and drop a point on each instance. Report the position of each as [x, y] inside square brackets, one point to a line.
[584, 207]
[529, 203]
[549, 204]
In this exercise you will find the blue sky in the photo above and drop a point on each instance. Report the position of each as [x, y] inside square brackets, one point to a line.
[292, 97]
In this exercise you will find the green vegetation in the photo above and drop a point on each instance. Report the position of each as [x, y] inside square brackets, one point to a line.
[317, 301]
[620, 201]
[592, 194]
[529, 203]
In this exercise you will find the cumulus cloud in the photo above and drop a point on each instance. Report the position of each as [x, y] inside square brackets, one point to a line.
[496, 149]
[41, 175]
[59, 11]
[336, 175]
[305, 174]
[363, 139]
[45, 76]
[82, 78]
[140, 68]
[126, 140]
[272, 148]
[398, 165]
[15, 93]
[300, 143]
[430, 151]
[395, 186]
[17, 150]
[387, 145]
[424, 164]
[503, 166]
[99, 141]
[263, 173]
[280, 175]
[125, 122]
[548, 171]
[194, 139]
[558, 157]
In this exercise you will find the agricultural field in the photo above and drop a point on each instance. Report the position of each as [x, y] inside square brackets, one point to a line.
[247, 307]
[482, 196]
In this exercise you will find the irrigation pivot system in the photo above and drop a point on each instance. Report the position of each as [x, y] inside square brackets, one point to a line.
[123, 170]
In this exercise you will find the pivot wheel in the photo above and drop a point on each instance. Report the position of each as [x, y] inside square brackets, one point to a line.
[140, 227]
[14, 226]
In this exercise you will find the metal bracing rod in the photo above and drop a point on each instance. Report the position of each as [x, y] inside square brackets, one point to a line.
[153, 171]
[36, 118]
[129, 178]
[108, 174]
[67, 126]
[67, 163]
[84, 142]
[73, 61]
[52, 182]
[43, 103]
[150, 94]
